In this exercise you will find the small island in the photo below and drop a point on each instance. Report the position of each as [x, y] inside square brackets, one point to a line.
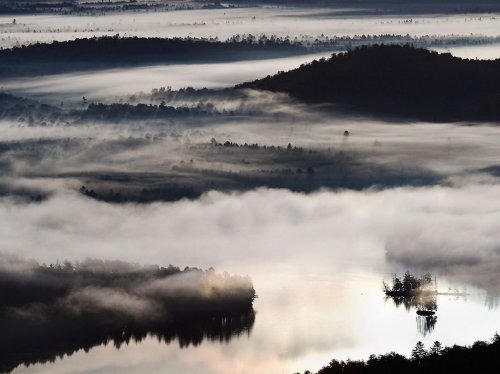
[412, 291]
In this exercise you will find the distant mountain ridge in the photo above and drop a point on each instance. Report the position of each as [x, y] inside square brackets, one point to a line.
[397, 81]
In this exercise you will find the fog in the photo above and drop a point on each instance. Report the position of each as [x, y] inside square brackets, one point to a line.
[216, 229]
[177, 155]
[67, 307]
[472, 52]
[317, 204]
[329, 250]
[224, 23]
[108, 84]
[123, 291]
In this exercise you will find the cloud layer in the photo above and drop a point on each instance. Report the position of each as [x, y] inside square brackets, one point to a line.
[450, 231]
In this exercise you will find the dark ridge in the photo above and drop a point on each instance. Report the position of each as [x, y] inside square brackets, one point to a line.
[398, 81]
[115, 51]
[481, 357]
[115, 48]
[49, 311]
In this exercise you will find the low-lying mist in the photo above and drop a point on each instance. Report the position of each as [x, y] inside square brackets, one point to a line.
[227, 140]
[124, 290]
[106, 84]
[409, 227]
[224, 23]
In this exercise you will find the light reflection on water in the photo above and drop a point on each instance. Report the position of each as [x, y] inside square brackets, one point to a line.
[303, 321]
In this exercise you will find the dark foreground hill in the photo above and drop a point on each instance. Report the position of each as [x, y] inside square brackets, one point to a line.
[398, 81]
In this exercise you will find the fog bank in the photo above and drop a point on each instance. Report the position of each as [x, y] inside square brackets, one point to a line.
[448, 231]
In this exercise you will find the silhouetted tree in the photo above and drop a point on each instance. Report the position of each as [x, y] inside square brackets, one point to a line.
[418, 353]
[436, 348]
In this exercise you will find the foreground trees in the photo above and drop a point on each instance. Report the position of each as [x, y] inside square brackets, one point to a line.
[481, 357]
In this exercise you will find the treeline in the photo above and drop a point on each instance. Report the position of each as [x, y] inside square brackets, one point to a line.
[115, 51]
[48, 284]
[481, 357]
[408, 285]
[396, 81]
[116, 47]
[167, 94]
[33, 113]
[122, 112]
[141, 48]
[97, 7]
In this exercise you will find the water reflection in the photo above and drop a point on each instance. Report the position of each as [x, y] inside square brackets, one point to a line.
[426, 324]
[426, 302]
[303, 322]
[421, 294]
[416, 292]
[28, 341]
[425, 305]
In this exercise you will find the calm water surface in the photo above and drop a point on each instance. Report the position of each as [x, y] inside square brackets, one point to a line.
[303, 321]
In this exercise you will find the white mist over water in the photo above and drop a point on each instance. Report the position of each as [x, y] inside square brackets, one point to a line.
[317, 262]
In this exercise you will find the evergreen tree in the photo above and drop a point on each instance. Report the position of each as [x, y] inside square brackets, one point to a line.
[436, 348]
[418, 353]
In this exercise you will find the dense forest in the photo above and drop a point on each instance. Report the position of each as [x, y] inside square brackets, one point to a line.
[397, 81]
[116, 51]
[139, 48]
[481, 357]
